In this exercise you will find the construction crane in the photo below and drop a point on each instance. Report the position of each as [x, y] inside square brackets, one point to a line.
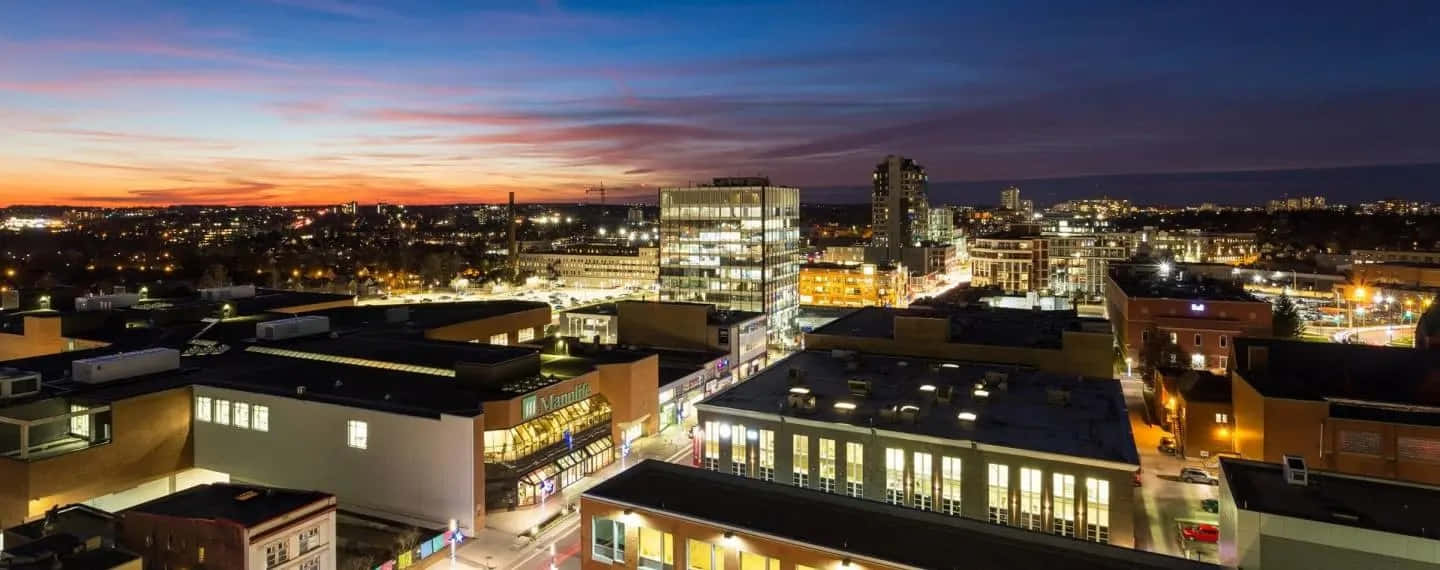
[601, 190]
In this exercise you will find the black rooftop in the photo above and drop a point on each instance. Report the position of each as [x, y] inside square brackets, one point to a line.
[1199, 385]
[973, 324]
[871, 529]
[247, 505]
[1145, 280]
[1362, 502]
[1094, 425]
[1315, 371]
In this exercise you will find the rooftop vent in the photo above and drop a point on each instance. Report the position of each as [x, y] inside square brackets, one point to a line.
[15, 383]
[993, 377]
[293, 327]
[859, 388]
[1296, 473]
[124, 365]
[845, 406]
[908, 413]
[801, 402]
[967, 418]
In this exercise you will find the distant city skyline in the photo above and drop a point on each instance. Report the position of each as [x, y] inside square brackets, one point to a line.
[324, 101]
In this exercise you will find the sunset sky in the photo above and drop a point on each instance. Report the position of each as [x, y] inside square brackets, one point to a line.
[117, 102]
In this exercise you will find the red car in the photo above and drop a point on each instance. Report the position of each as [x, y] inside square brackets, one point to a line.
[1201, 533]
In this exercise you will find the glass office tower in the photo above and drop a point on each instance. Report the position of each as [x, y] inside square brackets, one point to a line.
[734, 243]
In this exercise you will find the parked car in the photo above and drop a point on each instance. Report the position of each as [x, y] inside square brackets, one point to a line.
[1197, 475]
[1210, 505]
[1167, 446]
[1201, 533]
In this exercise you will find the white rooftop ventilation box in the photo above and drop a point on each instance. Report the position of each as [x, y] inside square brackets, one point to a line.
[15, 382]
[227, 293]
[293, 327]
[125, 365]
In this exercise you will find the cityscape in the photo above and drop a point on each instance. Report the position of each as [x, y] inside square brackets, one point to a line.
[342, 285]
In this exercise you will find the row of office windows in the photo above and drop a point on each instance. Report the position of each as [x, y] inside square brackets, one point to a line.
[242, 415]
[278, 552]
[657, 550]
[917, 485]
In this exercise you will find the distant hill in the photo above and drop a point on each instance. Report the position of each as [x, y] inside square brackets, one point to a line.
[1338, 185]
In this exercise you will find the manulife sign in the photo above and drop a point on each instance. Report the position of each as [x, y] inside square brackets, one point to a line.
[536, 405]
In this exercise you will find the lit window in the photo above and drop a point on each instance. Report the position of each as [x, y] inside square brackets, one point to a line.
[1063, 498]
[854, 469]
[1097, 510]
[526, 334]
[703, 556]
[657, 549]
[767, 455]
[311, 564]
[739, 453]
[261, 420]
[800, 460]
[895, 476]
[242, 415]
[309, 539]
[923, 482]
[1197, 361]
[222, 412]
[607, 540]
[500, 339]
[950, 490]
[203, 408]
[1222, 418]
[749, 561]
[827, 465]
[1174, 338]
[1031, 490]
[276, 553]
[712, 445]
[79, 425]
[998, 504]
[357, 434]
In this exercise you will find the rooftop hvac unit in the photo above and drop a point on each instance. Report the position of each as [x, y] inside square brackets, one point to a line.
[294, 327]
[125, 365]
[106, 302]
[859, 388]
[15, 383]
[803, 402]
[1296, 473]
[226, 293]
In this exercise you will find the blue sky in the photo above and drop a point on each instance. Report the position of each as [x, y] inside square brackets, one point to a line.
[314, 101]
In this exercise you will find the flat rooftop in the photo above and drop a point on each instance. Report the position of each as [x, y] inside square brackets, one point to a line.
[850, 525]
[247, 505]
[973, 324]
[1146, 281]
[1301, 370]
[1362, 502]
[1094, 425]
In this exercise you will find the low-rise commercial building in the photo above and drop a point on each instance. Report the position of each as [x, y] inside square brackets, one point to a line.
[854, 285]
[1012, 445]
[234, 526]
[1052, 341]
[1013, 262]
[1194, 321]
[1350, 408]
[674, 325]
[1194, 405]
[1397, 275]
[650, 516]
[73, 536]
[1196, 246]
[600, 266]
[351, 407]
[1370, 256]
[1278, 516]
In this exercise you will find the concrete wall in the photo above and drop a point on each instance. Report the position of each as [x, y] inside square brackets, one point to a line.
[1266, 541]
[483, 329]
[415, 469]
[974, 470]
[673, 325]
[1388, 463]
[1249, 420]
[633, 391]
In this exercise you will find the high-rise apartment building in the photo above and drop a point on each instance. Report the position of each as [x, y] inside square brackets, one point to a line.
[1010, 198]
[900, 209]
[734, 243]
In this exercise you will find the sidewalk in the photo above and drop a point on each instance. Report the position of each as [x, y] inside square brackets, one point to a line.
[499, 546]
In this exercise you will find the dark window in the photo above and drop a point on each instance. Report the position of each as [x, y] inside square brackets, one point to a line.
[725, 336]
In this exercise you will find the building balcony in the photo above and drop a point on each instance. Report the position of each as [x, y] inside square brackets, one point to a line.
[50, 428]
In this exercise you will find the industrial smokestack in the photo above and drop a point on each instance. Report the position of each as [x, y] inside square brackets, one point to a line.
[514, 249]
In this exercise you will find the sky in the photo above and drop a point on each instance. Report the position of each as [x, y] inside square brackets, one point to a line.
[323, 101]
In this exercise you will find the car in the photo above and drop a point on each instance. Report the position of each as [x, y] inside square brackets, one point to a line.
[1197, 475]
[1167, 446]
[1201, 533]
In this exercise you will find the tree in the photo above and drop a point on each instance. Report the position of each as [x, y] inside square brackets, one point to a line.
[1286, 321]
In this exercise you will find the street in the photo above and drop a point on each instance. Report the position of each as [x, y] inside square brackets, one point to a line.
[1163, 501]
